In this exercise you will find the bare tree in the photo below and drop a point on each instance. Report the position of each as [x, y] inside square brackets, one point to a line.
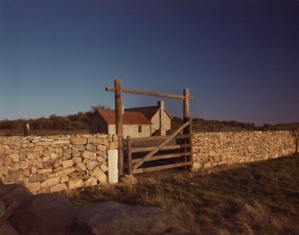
[99, 107]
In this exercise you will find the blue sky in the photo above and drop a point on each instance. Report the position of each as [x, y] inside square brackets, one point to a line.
[240, 59]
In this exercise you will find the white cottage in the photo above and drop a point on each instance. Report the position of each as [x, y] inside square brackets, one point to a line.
[137, 122]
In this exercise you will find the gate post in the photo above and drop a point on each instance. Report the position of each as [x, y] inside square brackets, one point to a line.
[186, 109]
[119, 125]
[188, 129]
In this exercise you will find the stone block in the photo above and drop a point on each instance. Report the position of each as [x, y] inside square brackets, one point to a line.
[99, 175]
[67, 164]
[76, 140]
[1, 149]
[47, 139]
[24, 165]
[7, 160]
[73, 184]
[33, 170]
[90, 182]
[222, 163]
[89, 155]
[46, 158]
[217, 158]
[50, 182]
[54, 174]
[77, 175]
[64, 179]
[114, 145]
[76, 154]
[15, 157]
[77, 160]
[53, 155]
[90, 147]
[115, 138]
[51, 163]
[196, 166]
[207, 165]
[40, 164]
[45, 171]
[106, 142]
[8, 151]
[44, 143]
[58, 188]
[80, 167]
[15, 166]
[38, 148]
[66, 157]
[66, 172]
[43, 191]
[95, 140]
[80, 147]
[23, 155]
[101, 147]
[102, 153]
[104, 168]
[66, 142]
[36, 178]
[25, 174]
[33, 187]
[33, 155]
[91, 164]
[101, 159]
[68, 151]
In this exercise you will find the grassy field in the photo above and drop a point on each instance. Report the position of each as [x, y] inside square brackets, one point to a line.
[257, 198]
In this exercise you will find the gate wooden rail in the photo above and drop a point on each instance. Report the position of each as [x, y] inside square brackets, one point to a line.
[181, 151]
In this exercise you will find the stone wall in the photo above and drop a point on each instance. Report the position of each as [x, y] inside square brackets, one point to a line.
[219, 148]
[56, 163]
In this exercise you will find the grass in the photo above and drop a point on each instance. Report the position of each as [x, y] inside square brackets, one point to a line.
[257, 198]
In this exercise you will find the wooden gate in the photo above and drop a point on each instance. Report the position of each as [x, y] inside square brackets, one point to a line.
[180, 151]
[135, 162]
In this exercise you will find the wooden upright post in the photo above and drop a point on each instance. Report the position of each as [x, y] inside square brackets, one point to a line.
[188, 130]
[186, 106]
[119, 125]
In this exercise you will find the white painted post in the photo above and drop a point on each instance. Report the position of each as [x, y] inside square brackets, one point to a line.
[112, 166]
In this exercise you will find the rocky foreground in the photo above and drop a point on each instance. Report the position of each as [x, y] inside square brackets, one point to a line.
[21, 212]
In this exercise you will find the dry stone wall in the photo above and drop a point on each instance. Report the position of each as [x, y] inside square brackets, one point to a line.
[55, 163]
[218, 148]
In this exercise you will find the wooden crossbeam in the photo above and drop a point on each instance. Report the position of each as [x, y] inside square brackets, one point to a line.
[138, 92]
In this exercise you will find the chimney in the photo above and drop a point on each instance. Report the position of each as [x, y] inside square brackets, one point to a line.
[161, 104]
[123, 110]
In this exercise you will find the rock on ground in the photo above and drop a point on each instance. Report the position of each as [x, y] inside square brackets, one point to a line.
[47, 214]
[21, 212]
[115, 218]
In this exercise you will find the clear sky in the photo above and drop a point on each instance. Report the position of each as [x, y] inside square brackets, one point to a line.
[240, 59]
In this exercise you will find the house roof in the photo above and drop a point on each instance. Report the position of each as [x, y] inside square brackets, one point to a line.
[149, 112]
[129, 118]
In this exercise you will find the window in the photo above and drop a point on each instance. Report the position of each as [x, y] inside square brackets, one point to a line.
[139, 129]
